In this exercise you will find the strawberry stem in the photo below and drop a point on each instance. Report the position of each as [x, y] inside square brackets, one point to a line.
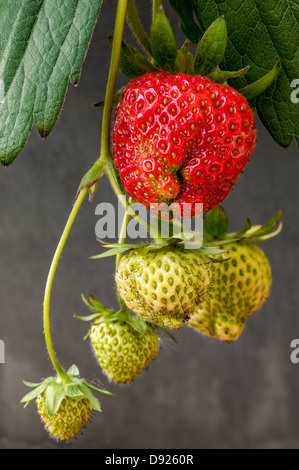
[105, 157]
[46, 307]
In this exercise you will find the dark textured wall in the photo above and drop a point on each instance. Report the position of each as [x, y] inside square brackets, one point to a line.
[198, 393]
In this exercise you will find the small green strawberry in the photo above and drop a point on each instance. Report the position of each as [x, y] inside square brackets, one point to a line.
[123, 352]
[70, 418]
[123, 345]
[241, 286]
[163, 285]
[64, 404]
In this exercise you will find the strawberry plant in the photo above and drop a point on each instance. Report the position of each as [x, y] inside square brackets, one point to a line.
[179, 134]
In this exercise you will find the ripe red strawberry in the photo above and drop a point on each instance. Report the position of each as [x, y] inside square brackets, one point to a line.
[181, 138]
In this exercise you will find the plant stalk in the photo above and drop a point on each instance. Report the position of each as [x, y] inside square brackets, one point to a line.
[46, 306]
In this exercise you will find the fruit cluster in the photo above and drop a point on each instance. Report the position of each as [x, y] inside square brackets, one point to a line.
[181, 137]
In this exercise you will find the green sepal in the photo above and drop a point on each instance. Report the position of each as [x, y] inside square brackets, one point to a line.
[54, 394]
[55, 389]
[163, 43]
[266, 231]
[102, 314]
[215, 223]
[116, 99]
[220, 76]
[131, 63]
[137, 28]
[254, 89]
[184, 61]
[257, 233]
[211, 49]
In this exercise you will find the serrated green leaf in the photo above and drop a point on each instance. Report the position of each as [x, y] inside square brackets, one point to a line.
[43, 46]
[259, 34]
[54, 394]
[211, 49]
[163, 43]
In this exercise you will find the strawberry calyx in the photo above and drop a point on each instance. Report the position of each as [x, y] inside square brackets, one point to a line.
[55, 389]
[163, 55]
[215, 225]
[101, 315]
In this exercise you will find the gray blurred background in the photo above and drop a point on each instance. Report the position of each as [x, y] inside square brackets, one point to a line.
[199, 393]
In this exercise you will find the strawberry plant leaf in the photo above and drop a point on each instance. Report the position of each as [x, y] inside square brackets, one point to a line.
[43, 46]
[163, 43]
[259, 35]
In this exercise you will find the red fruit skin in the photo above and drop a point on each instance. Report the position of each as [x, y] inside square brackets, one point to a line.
[181, 138]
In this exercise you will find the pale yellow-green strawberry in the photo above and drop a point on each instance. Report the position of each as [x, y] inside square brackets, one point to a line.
[241, 286]
[68, 421]
[123, 352]
[164, 285]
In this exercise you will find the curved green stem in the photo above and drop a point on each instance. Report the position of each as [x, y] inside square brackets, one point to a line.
[46, 307]
[97, 168]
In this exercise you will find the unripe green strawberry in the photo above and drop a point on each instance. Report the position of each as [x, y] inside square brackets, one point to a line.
[164, 285]
[241, 286]
[122, 351]
[72, 415]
